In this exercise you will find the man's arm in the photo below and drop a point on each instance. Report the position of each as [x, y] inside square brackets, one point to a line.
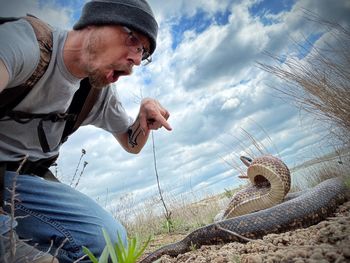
[152, 116]
[4, 76]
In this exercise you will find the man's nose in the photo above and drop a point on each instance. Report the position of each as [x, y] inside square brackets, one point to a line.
[136, 58]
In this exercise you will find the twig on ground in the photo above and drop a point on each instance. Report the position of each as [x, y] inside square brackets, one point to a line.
[80, 259]
[167, 212]
[59, 247]
[234, 233]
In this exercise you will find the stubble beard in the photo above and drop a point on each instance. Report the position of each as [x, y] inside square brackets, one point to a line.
[96, 77]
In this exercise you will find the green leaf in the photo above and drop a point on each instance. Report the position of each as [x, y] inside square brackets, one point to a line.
[131, 250]
[110, 246]
[104, 256]
[122, 248]
[90, 255]
[119, 253]
[140, 252]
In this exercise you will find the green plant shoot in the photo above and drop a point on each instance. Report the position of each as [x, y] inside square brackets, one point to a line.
[119, 253]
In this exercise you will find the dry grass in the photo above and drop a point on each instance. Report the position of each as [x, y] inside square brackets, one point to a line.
[189, 212]
[319, 83]
[312, 173]
[147, 219]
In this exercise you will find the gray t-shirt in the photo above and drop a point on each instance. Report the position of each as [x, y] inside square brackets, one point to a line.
[20, 53]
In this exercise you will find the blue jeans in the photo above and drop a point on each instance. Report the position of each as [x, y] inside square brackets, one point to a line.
[58, 218]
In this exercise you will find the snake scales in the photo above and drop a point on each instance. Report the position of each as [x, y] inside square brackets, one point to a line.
[304, 210]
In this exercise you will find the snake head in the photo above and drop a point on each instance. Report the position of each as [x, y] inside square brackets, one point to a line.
[246, 160]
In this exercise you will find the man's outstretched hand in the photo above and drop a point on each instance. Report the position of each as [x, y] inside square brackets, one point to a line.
[153, 115]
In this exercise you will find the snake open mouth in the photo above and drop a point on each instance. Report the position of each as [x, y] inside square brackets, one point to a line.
[261, 181]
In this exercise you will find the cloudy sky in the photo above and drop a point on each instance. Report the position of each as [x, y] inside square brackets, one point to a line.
[205, 73]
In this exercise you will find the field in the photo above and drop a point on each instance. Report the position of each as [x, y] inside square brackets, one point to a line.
[325, 242]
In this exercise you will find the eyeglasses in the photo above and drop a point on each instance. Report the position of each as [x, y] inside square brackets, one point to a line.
[135, 45]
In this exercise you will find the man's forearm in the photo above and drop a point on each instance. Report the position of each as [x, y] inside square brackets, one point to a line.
[137, 137]
[152, 116]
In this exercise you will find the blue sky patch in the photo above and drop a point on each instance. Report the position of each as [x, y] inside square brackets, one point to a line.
[198, 23]
[75, 6]
[306, 46]
[221, 18]
[264, 7]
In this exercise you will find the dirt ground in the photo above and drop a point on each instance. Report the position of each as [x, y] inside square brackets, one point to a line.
[328, 241]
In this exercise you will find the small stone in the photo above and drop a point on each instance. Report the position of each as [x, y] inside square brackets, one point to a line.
[220, 259]
[279, 254]
[271, 259]
[342, 221]
[301, 253]
[285, 240]
[346, 252]
[251, 258]
[316, 256]
[331, 255]
[317, 251]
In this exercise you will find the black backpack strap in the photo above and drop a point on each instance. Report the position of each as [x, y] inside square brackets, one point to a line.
[26, 117]
[89, 103]
[10, 98]
[82, 103]
[35, 168]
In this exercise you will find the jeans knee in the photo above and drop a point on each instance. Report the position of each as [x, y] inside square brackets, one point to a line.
[113, 229]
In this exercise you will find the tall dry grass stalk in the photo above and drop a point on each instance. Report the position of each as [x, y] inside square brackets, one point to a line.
[148, 220]
[320, 82]
[318, 171]
[167, 212]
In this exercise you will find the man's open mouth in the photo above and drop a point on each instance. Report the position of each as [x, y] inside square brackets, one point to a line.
[114, 75]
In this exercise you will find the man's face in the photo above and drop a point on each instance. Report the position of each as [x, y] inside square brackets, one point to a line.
[111, 52]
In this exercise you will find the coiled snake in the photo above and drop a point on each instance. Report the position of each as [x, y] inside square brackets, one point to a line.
[304, 210]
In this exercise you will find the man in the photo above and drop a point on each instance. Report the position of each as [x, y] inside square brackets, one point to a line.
[109, 39]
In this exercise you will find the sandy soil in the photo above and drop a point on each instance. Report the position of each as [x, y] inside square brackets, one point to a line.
[328, 241]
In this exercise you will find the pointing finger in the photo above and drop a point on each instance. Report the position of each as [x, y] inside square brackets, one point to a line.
[163, 122]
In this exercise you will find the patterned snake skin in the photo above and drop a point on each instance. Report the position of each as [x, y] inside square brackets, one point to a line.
[270, 182]
[304, 210]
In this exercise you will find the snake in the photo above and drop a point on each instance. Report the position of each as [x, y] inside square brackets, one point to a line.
[269, 183]
[296, 210]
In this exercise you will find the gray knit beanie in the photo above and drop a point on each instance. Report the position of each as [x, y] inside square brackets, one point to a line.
[136, 14]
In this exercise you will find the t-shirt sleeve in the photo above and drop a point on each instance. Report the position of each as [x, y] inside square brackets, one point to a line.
[108, 113]
[19, 51]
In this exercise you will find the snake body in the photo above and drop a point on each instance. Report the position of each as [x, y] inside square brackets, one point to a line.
[304, 210]
[269, 183]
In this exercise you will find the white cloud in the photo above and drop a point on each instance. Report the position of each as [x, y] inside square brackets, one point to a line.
[230, 104]
[48, 11]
